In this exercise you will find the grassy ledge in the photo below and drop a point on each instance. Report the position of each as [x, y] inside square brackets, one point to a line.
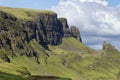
[25, 14]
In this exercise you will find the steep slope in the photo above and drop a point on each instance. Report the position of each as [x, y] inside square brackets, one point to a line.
[36, 44]
[77, 62]
[9, 71]
[21, 29]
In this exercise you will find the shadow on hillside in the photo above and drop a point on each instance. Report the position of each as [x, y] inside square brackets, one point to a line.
[48, 78]
[6, 76]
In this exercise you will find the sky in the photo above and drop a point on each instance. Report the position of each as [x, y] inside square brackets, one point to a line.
[34, 4]
[98, 20]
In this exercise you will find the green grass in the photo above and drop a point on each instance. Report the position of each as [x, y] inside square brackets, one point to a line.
[84, 63]
[13, 69]
[25, 14]
[71, 59]
[6, 76]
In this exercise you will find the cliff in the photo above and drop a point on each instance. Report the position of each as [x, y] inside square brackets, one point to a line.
[75, 32]
[37, 44]
[43, 26]
[72, 31]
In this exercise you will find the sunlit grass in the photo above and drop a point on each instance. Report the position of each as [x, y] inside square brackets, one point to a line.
[25, 14]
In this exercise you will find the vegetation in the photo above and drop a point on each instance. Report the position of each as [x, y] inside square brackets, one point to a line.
[24, 14]
[5, 76]
[23, 58]
[80, 62]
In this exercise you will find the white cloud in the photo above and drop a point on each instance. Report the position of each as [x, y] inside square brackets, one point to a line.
[95, 19]
[103, 2]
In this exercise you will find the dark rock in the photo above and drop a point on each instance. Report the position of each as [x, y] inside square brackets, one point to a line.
[35, 54]
[66, 30]
[75, 33]
[20, 44]
[49, 29]
[16, 34]
[4, 57]
[7, 16]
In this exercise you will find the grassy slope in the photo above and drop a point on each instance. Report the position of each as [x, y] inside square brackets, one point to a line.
[82, 65]
[24, 14]
[9, 71]
[52, 68]
[91, 66]
[6, 76]
[83, 62]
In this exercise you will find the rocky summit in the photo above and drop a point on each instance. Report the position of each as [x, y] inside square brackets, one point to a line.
[37, 45]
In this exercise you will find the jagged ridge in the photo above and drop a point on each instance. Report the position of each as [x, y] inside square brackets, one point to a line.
[42, 37]
[44, 27]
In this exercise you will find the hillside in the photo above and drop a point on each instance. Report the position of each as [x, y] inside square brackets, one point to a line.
[36, 45]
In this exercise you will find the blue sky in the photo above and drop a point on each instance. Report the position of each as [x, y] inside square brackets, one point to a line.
[40, 4]
[35, 4]
[114, 2]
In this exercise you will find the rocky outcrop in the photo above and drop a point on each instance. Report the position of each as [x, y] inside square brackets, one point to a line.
[45, 28]
[66, 30]
[108, 47]
[75, 33]
[49, 28]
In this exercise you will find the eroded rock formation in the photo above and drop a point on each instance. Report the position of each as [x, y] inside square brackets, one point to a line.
[75, 33]
[108, 47]
[45, 28]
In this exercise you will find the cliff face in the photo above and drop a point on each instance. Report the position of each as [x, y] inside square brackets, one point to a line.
[75, 33]
[45, 28]
[66, 30]
[28, 37]
[48, 29]
[15, 36]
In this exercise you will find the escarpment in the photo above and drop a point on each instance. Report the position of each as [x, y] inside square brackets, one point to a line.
[49, 29]
[45, 28]
[66, 30]
[75, 33]
[72, 31]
